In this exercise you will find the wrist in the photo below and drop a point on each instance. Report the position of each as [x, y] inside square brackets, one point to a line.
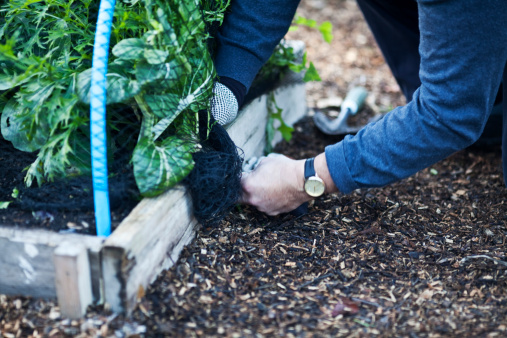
[299, 173]
[236, 87]
[322, 171]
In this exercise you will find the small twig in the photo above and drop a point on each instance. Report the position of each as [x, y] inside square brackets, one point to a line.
[497, 261]
[365, 301]
[315, 280]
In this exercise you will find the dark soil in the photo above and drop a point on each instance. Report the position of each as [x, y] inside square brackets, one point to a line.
[41, 207]
[424, 257]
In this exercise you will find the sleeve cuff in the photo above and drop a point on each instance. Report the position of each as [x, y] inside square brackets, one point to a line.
[238, 64]
[337, 165]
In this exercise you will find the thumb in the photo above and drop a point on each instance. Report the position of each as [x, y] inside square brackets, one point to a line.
[243, 198]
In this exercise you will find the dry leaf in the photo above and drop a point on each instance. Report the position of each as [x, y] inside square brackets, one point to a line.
[345, 306]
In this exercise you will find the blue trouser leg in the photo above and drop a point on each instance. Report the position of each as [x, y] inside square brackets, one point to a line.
[395, 26]
[504, 130]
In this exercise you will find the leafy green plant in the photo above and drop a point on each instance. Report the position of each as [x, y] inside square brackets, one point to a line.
[284, 59]
[159, 66]
[325, 28]
[274, 115]
[5, 205]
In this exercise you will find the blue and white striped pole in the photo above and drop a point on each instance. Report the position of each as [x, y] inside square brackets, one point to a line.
[98, 118]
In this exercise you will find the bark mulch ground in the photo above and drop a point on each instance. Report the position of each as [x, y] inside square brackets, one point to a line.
[424, 257]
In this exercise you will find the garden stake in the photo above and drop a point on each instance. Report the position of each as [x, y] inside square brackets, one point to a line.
[98, 118]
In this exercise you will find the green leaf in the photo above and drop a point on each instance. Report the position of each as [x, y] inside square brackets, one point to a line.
[15, 193]
[130, 49]
[165, 105]
[4, 205]
[311, 74]
[299, 67]
[84, 80]
[159, 167]
[299, 20]
[16, 127]
[46, 47]
[155, 56]
[326, 28]
[7, 81]
[284, 128]
[286, 131]
[147, 73]
[36, 94]
[162, 125]
[270, 135]
[119, 88]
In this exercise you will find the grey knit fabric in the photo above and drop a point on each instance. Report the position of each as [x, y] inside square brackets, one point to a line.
[224, 106]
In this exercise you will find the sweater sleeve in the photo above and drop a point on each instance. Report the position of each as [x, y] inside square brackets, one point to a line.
[249, 34]
[463, 51]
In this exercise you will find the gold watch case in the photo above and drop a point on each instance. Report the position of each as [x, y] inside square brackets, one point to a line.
[314, 186]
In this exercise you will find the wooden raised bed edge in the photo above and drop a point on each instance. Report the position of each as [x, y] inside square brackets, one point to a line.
[81, 269]
[32, 258]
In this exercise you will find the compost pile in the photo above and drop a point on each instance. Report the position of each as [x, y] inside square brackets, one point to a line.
[423, 257]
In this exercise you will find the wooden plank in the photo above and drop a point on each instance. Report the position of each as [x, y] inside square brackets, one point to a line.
[27, 267]
[95, 259]
[72, 279]
[151, 238]
[148, 241]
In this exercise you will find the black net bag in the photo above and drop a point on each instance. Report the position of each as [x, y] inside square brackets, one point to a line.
[215, 181]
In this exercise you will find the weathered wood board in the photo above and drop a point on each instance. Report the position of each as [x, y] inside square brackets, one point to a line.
[73, 278]
[27, 267]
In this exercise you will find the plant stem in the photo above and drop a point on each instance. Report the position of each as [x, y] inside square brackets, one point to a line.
[148, 117]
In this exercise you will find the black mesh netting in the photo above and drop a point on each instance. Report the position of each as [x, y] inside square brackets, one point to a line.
[160, 76]
[215, 181]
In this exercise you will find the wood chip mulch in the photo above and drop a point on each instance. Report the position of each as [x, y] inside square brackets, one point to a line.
[423, 257]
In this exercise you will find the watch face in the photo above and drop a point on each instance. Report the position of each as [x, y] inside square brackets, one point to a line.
[314, 186]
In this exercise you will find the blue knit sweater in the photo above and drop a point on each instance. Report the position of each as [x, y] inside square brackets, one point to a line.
[463, 52]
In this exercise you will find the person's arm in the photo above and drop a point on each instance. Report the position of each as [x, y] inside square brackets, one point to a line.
[248, 36]
[463, 54]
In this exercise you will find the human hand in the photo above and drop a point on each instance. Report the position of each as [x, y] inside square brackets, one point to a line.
[224, 105]
[275, 186]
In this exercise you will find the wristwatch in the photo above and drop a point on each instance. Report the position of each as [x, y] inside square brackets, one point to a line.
[314, 185]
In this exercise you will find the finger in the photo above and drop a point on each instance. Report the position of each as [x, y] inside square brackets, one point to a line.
[259, 161]
[243, 197]
[275, 155]
[250, 164]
